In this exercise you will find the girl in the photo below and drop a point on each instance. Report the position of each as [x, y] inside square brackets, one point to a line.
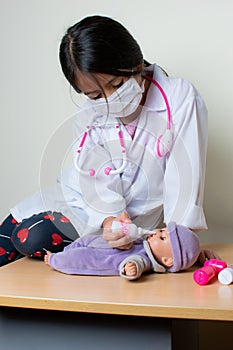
[139, 149]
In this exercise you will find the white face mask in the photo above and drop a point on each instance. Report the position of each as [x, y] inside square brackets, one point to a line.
[123, 102]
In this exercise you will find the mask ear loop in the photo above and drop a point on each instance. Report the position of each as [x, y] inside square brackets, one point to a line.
[109, 170]
[90, 172]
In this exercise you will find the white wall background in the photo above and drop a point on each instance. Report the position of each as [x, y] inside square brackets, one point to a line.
[191, 39]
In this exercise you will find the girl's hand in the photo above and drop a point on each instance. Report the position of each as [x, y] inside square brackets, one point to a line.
[117, 239]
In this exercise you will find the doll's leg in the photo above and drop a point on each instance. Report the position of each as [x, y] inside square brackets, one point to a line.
[8, 253]
[81, 260]
[42, 232]
[46, 257]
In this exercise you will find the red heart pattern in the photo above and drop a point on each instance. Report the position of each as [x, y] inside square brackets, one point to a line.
[49, 217]
[64, 219]
[2, 251]
[23, 235]
[37, 254]
[14, 221]
[11, 256]
[56, 239]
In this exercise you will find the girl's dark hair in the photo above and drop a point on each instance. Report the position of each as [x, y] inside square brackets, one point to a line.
[99, 44]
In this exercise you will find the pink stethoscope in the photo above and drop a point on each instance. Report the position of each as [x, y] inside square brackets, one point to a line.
[163, 143]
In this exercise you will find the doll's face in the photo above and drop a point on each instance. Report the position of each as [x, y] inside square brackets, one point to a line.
[160, 246]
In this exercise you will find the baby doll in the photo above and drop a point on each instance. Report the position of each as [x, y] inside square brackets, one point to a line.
[171, 249]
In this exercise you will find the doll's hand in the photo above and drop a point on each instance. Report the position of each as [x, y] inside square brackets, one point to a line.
[130, 269]
[117, 239]
[46, 257]
[207, 254]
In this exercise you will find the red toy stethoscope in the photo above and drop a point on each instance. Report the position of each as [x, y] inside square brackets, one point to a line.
[163, 144]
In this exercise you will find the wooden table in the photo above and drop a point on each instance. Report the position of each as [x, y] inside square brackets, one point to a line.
[169, 306]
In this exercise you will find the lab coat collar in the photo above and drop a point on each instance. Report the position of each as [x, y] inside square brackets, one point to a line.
[154, 99]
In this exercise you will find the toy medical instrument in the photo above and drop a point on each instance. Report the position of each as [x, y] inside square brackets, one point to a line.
[130, 229]
[226, 275]
[163, 143]
[210, 270]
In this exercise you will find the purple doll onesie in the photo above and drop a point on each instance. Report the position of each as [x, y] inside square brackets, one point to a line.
[91, 255]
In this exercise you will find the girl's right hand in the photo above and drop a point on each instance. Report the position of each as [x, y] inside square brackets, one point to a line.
[117, 239]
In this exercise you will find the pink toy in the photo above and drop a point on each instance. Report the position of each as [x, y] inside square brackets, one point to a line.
[210, 270]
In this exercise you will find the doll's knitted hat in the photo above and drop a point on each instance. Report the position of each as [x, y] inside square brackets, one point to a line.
[185, 249]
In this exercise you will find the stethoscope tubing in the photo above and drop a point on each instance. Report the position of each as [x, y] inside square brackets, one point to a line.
[165, 100]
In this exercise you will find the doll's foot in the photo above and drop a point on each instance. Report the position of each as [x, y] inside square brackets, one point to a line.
[46, 257]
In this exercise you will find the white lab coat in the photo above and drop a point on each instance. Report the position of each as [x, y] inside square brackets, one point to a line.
[151, 188]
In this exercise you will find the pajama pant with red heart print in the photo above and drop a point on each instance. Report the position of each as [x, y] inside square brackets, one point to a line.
[34, 236]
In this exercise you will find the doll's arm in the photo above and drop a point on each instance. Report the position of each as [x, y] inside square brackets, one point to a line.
[140, 263]
[130, 269]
